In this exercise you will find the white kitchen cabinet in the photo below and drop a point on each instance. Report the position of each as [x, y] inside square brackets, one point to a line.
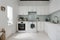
[53, 30]
[26, 26]
[58, 32]
[58, 36]
[40, 26]
[23, 10]
[42, 10]
[39, 11]
[32, 9]
[46, 28]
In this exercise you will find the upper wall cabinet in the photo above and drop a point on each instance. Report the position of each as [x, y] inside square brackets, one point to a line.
[41, 10]
[23, 10]
[32, 8]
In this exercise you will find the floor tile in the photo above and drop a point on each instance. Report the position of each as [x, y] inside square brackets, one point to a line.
[29, 36]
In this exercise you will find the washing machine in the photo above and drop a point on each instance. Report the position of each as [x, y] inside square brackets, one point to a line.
[32, 27]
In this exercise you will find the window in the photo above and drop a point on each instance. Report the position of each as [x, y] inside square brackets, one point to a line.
[10, 15]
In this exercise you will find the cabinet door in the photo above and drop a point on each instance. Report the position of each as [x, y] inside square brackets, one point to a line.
[39, 11]
[23, 10]
[42, 10]
[26, 26]
[40, 26]
[58, 36]
[46, 27]
[31, 8]
[58, 33]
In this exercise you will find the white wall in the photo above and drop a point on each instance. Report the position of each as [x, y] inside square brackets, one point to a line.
[3, 16]
[54, 5]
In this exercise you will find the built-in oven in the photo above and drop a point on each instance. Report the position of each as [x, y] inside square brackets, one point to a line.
[21, 27]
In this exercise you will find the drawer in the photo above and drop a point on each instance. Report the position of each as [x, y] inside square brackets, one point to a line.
[57, 30]
[58, 37]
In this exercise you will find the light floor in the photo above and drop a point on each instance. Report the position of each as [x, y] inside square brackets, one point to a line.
[29, 36]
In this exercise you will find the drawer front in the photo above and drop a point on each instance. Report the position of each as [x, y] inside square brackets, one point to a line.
[58, 36]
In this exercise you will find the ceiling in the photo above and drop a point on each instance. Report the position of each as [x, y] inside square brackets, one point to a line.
[34, 3]
[34, 0]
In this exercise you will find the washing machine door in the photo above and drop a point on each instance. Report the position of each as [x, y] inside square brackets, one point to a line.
[32, 26]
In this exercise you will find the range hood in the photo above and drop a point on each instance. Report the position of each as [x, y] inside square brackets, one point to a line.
[32, 16]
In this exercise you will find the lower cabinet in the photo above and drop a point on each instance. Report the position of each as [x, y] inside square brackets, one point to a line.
[58, 33]
[40, 26]
[58, 36]
[26, 26]
[53, 30]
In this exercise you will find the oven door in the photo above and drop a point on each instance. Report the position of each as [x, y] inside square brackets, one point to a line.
[21, 26]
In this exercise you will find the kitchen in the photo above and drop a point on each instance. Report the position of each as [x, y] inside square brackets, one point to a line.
[33, 13]
[39, 15]
[30, 16]
[32, 20]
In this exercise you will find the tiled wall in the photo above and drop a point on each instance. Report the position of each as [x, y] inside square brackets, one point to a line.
[41, 17]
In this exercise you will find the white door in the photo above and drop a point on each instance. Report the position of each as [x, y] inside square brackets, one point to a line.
[32, 28]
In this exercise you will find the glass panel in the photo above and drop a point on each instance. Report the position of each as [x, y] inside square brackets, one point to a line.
[10, 15]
